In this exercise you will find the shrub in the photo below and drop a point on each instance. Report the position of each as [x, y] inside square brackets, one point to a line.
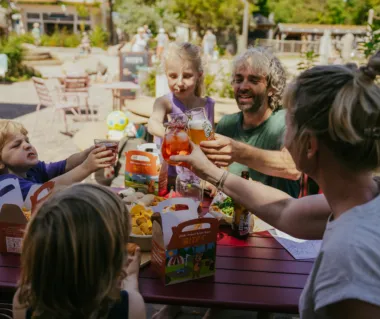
[209, 84]
[226, 90]
[15, 53]
[61, 38]
[99, 38]
[149, 85]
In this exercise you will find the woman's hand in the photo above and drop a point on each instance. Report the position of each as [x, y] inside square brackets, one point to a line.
[197, 162]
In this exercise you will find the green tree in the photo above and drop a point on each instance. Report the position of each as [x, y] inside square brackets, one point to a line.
[136, 13]
[216, 14]
[322, 11]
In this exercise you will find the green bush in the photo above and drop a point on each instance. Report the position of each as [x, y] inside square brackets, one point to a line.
[61, 38]
[150, 84]
[227, 90]
[15, 53]
[209, 84]
[99, 38]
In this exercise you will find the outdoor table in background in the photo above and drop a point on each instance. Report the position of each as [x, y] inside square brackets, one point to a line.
[84, 138]
[116, 88]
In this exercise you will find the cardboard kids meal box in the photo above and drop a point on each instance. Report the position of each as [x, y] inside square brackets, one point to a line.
[15, 213]
[183, 245]
[145, 170]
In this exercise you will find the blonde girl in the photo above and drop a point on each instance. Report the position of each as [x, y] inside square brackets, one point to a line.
[333, 135]
[185, 74]
[74, 260]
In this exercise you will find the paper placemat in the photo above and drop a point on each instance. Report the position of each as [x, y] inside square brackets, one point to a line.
[298, 248]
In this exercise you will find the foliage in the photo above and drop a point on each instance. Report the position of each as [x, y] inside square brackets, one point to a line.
[216, 14]
[373, 43]
[82, 10]
[322, 11]
[134, 14]
[99, 37]
[61, 38]
[309, 59]
[149, 85]
[227, 91]
[209, 84]
[12, 47]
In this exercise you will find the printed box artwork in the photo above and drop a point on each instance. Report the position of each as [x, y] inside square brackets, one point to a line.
[183, 245]
[145, 171]
[13, 213]
[12, 219]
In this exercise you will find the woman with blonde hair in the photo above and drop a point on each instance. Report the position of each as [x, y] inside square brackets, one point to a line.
[74, 261]
[333, 135]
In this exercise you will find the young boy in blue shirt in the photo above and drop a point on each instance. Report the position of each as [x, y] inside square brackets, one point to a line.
[19, 159]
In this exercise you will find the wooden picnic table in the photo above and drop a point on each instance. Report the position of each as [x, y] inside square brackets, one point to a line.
[116, 88]
[256, 274]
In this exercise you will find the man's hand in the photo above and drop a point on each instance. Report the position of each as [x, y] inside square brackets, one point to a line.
[220, 151]
[98, 158]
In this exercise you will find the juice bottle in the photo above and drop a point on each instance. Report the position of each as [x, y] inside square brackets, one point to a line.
[241, 217]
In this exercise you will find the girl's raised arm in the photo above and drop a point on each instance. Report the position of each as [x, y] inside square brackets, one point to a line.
[156, 120]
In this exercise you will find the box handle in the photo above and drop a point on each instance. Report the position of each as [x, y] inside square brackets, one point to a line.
[176, 201]
[34, 198]
[211, 221]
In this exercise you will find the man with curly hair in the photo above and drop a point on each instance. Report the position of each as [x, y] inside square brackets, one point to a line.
[252, 138]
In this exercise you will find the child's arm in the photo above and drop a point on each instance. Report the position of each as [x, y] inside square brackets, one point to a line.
[161, 107]
[19, 312]
[131, 285]
[77, 159]
[98, 158]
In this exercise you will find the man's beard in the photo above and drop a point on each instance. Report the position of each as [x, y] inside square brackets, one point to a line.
[257, 103]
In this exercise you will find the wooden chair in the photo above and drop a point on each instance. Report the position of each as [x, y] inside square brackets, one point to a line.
[62, 103]
[78, 86]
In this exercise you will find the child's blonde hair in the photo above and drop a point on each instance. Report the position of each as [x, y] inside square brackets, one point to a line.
[188, 52]
[340, 104]
[73, 254]
[9, 128]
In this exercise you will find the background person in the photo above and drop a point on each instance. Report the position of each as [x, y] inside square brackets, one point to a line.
[139, 41]
[209, 43]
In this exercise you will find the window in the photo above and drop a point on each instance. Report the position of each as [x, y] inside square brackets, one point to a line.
[58, 17]
[33, 16]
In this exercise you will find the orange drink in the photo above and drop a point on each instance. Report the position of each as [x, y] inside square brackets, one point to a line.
[200, 128]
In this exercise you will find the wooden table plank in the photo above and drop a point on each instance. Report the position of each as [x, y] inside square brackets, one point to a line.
[203, 294]
[9, 260]
[263, 242]
[251, 278]
[277, 266]
[253, 252]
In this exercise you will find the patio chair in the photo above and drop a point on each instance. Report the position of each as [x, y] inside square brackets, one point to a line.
[78, 86]
[63, 103]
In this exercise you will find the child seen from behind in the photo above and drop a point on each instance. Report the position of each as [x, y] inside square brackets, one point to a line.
[75, 262]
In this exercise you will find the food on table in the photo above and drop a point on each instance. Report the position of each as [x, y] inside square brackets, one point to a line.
[226, 206]
[126, 192]
[139, 195]
[130, 199]
[141, 222]
[131, 247]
